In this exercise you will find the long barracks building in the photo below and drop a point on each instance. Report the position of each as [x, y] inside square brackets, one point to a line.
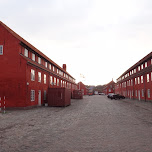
[26, 73]
[136, 82]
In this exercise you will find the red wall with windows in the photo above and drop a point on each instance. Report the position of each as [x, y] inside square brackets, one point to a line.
[141, 89]
[82, 87]
[15, 75]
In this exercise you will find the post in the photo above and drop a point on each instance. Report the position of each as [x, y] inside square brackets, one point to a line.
[0, 105]
[4, 105]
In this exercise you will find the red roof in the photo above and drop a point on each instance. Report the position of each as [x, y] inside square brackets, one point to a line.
[32, 47]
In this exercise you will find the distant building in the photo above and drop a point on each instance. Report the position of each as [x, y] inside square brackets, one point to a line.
[26, 73]
[83, 88]
[109, 88]
[136, 82]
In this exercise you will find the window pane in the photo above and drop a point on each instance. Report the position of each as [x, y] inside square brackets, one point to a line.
[1, 49]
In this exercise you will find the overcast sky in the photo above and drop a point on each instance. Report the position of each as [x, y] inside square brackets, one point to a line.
[99, 39]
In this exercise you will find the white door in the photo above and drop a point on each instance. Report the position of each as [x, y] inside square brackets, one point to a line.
[139, 94]
[39, 97]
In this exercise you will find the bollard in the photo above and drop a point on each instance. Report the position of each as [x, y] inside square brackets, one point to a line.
[0, 105]
[4, 105]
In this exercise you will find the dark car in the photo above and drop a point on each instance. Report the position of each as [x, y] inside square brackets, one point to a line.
[110, 94]
[117, 96]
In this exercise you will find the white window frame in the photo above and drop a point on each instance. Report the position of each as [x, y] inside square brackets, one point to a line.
[142, 79]
[138, 68]
[51, 80]
[135, 80]
[142, 66]
[54, 80]
[44, 78]
[39, 76]
[50, 66]
[53, 68]
[1, 49]
[46, 64]
[147, 77]
[39, 60]
[33, 56]
[148, 93]
[26, 52]
[57, 82]
[32, 95]
[32, 75]
[138, 80]
[145, 64]
[61, 83]
[142, 92]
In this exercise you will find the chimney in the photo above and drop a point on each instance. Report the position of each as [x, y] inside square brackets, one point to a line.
[64, 67]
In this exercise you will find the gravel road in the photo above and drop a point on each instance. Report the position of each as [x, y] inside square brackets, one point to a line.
[93, 124]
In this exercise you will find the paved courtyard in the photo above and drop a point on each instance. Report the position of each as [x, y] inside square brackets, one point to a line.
[94, 124]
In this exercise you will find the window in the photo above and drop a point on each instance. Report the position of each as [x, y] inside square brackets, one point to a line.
[44, 94]
[39, 76]
[141, 79]
[61, 83]
[142, 66]
[53, 68]
[54, 81]
[145, 64]
[26, 52]
[33, 56]
[39, 60]
[46, 64]
[138, 68]
[131, 82]
[50, 66]
[134, 70]
[147, 77]
[32, 95]
[57, 70]
[1, 49]
[142, 92]
[57, 82]
[138, 80]
[32, 75]
[51, 80]
[151, 61]
[44, 78]
[148, 93]
[135, 80]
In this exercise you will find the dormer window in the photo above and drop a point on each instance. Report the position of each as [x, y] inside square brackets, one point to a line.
[1, 49]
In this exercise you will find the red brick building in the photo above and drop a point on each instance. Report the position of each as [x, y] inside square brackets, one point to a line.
[26, 73]
[109, 88]
[83, 88]
[136, 82]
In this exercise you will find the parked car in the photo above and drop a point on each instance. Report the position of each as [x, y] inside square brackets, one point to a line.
[117, 96]
[110, 94]
[101, 93]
